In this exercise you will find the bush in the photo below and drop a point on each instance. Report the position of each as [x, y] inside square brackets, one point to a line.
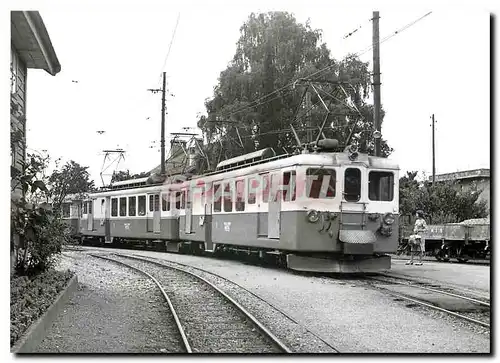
[30, 298]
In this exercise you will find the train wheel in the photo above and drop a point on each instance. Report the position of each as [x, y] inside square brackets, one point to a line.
[437, 254]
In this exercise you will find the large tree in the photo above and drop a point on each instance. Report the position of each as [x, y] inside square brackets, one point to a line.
[263, 91]
[72, 178]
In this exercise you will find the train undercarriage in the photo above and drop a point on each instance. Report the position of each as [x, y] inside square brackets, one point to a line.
[310, 262]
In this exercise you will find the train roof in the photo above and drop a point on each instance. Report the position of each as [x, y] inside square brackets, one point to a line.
[330, 159]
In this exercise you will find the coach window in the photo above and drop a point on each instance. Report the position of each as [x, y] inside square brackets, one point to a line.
[65, 210]
[253, 184]
[164, 198]
[352, 185]
[142, 205]
[90, 206]
[157, 202]
[177, 200]
[381, 186]
[217, 198]
[289, 192]
[123, 207]
[183, 199]
[320, 183]
[114, 207]
[131, 206]
[151, 203]
[228, 197]
[265, 188]
[84, 208]
[240, 195]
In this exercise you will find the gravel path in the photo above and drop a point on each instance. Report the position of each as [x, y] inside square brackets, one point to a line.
[114, 310]
[348, 315]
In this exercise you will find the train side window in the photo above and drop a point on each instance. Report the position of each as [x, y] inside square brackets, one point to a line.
[65, 210]
[169, 195]
[114, 207]
[381, 185]
[123, 206]
[164, 198]
[253, 184]
[183, 199]
[320, 182]
[217, 198]
[265, 188]
[84, 208]
[352, 185]
[142, 205]
[151, 202]
[289, 192]
[240, 195]
[90, 206]
[131, 206]
[228, 197]
[177, 200]
[157, 202]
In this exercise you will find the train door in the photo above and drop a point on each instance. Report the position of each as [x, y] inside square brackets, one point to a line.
[153, 214]
[274, 211]
[207, 217]
[352, 191]
[107, 224]
[90, 215]
[261, 187]
[189, 212]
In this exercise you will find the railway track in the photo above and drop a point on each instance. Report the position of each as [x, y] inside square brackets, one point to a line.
[460, 306]
[208, 320]
[163, 262]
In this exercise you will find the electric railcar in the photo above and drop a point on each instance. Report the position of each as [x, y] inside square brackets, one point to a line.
[316, 211]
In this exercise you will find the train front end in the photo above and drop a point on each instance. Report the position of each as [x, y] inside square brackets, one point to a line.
[348, 219]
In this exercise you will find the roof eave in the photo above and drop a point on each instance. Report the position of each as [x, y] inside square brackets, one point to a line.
[42, 38]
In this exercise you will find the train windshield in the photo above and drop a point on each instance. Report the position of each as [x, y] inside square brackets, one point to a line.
[352, 184]
[380, 185]
[320, 183]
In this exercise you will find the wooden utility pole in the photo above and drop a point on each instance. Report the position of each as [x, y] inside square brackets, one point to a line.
[433, 152]
[163, 110]
[376, 80]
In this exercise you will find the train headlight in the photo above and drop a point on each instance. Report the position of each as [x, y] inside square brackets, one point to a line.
[313, 216]
[389, 218]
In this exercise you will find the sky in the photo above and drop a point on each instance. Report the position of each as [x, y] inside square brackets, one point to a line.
[439, 65]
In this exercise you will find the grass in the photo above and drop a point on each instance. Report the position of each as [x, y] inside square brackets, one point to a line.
[31, 296]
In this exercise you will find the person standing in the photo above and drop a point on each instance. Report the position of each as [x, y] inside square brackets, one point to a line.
[417, 240]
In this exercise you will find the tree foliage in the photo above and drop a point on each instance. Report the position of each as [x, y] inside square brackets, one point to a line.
[445, 202]
[72, 178]
[257, 97]
[39, 230]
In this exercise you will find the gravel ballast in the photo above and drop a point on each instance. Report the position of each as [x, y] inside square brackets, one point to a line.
[212, 324]
[115, 310]
[348, 315]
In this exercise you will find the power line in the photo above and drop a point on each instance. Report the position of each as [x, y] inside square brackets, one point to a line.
[170, 46]
[399, 31]
[355, 30]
